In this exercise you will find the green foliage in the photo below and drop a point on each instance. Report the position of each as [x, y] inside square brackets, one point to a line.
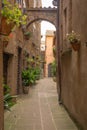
[37, 73]
[13, 13]
[8, 101]
[27, 77]
[73, 37]
[30, 75]
[54, 50]
[7, 97]
[54, 65]
[27, 33]
[30, 60]
[6, 89]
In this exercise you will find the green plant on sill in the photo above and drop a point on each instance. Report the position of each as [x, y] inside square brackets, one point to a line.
[73, 37]
[27, 34]
[54, 49]
[30, 60]
[13, 14]
[54, 65]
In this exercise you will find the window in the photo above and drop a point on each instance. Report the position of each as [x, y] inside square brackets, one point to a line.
[65, 23]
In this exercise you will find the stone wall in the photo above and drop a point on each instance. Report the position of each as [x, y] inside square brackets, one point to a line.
[35, 29]
[1, 81]
[14, 51]
[11, 50]
[1, 88]
[74, 63]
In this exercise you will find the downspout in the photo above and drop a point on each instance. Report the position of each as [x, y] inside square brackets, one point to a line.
[59, 85]
[1, 79]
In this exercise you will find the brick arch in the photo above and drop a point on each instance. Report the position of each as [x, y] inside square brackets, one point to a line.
[47, 14]
[41, 20]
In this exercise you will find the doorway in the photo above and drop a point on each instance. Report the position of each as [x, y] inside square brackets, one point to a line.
[50, 70]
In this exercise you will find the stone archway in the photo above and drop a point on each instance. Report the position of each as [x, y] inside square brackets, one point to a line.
[47, 14]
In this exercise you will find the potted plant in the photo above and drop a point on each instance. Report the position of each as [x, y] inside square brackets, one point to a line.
[31, 61]
[54, 70]
[9, 100]
[25, 81]
[27, 35]
[11, 16]
[28, 79]
[74, 40]
[54, 51]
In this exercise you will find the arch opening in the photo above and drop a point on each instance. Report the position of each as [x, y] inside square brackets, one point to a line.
[40, 19]
[42, 41]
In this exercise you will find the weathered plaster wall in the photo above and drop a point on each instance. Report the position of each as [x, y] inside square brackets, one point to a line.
[74, 66]
[1, 81]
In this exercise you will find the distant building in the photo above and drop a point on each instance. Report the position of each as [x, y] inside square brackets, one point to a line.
[49, 58]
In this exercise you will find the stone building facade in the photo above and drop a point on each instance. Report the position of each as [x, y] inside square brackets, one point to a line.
[14, 55]
[35, 30]
[1, 80]
[13, 58]
[49, 58]
[73, 16]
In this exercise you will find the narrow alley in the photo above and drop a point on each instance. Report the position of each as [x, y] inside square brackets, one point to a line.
[39, 110]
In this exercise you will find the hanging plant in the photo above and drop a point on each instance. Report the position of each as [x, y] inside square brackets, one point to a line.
[27, 35]
[11, 16]
[74, 40]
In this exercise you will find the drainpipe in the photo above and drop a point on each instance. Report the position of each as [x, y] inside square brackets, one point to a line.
[1, 79]
[58, 54]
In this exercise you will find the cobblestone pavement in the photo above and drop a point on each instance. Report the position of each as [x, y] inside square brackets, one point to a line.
[39, 110]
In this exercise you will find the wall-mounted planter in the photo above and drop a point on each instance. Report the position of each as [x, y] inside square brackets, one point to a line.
[5, 29]
[76, 46]
[27, 35]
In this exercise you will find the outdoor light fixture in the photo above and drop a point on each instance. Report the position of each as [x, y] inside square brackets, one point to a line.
[54, 2]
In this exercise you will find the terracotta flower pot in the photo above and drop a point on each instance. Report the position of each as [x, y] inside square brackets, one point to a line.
[25, 89]
[5, 29]
[26, 37]
[76, 46]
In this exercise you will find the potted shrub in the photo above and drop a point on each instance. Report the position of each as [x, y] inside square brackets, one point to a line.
[31, 61]
[25, 81]
[74, 40]
[37, 73]
[9, 100]
[11, 16]
[54, 51]
[54, 70]
[27, 35]
[29, 77]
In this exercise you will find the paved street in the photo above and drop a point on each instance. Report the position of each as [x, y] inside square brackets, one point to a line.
[39, 110]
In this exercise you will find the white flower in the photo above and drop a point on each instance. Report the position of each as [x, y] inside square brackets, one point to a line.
[72, 31]
[67, 34]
